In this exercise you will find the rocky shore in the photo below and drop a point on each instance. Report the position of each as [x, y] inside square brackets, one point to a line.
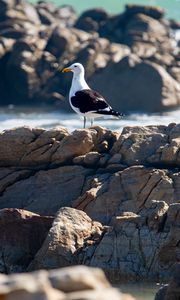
[93, 197]
[137, 47]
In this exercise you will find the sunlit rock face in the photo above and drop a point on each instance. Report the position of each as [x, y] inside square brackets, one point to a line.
[93, 197]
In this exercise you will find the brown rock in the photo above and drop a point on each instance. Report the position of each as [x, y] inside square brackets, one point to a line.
[29, 146]
[22, 234]
[35, 193]
[71, 231]
[141, 146]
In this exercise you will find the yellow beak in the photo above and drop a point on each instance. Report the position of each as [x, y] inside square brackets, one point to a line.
[66, 70]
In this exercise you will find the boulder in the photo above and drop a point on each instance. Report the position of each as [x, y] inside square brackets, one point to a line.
[61, 40]
[35, 193]
[144, 28]
[159, 91]
[150, 236]
[72, 231]
[64, 284]
[91, 19]
[152, 11]
[149, 145]
[22, 234]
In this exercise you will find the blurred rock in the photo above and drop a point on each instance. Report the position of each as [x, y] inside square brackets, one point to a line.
[98, 40]
[152, 11]
[76, 282]
[91, 19]
[159, 91]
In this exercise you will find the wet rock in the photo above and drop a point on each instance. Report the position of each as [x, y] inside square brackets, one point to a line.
[22, 234]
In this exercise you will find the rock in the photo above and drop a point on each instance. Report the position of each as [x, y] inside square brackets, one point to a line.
[96, 14]
[67, 15]
[78, 278]
[35, 193]
[71, 231]
[171, 291]
[130, 182]
[65, 245]
[61, 40]
[91, 19]
[128, 190]
[29, 286]
[22, 234]
[30, 12]
[30, 146]
[160, 295]
[164, 91]
[89, 283]
[152, 11]
[143, 28]
[45, 17]
[145, 147]
[5, 5]
[87, 24]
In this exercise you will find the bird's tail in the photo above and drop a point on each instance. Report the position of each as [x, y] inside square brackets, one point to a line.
[116, 114]
[111, 112]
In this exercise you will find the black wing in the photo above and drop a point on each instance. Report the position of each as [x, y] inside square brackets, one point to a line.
[89, 100]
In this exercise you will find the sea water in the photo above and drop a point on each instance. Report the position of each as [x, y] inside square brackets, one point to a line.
[46, 117]
[172, 7]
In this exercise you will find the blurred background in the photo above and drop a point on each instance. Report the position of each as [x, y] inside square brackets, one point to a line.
[130, 50]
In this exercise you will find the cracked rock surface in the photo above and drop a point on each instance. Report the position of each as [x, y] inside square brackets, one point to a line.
[98, 198]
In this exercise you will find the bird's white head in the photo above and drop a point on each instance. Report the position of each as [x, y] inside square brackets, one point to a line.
[76, 68]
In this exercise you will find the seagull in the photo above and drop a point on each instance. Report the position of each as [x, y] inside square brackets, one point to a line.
[85, 101]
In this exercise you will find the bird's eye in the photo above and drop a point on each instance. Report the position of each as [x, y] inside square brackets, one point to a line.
[75, 66]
